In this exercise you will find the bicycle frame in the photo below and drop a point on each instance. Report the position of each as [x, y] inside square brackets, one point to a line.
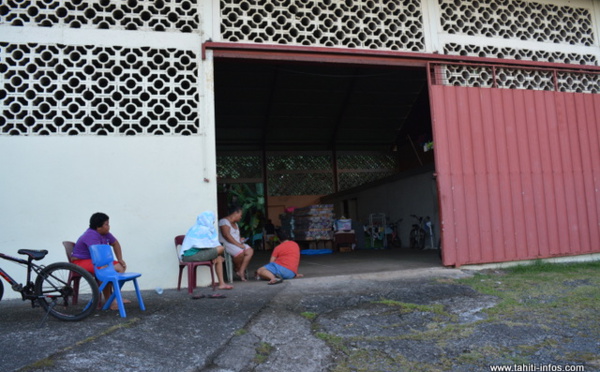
[421, 222]
[429, 230]
[55, 289]
[418, 232]
[27, 291]
[392, 229]
[426, 226]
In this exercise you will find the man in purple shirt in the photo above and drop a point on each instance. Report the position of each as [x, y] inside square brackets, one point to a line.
[98, 233]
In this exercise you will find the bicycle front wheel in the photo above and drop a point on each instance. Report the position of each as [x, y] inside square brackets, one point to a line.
[66, 291]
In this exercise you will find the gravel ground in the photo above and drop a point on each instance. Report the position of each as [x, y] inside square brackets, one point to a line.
[419, 325]
[421, 320]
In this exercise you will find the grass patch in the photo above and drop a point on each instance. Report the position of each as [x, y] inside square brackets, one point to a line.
[309, 315]
[440, 315]
[240, 332]
[263, 350]
[335, 342]
[531, 349]
[541, 295]
[406, 308]
[471, 357]
[541, 267]
[583, 357]
[39, 365]
[541, 286]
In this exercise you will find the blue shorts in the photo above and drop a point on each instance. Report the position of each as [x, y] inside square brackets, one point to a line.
[280, 271]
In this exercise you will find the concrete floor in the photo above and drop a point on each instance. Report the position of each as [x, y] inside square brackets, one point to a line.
[358, 261]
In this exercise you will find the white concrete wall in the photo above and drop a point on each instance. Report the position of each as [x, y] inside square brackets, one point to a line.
[398, 198]
[152, 188]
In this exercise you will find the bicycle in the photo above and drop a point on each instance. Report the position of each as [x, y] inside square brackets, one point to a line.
[417, 233]
[64, 290]
[429, 231]
[393, 233]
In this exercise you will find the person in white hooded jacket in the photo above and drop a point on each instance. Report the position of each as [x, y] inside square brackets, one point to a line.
[201, 243]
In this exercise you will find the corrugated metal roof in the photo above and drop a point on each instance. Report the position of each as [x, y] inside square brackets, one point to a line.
[308, 106]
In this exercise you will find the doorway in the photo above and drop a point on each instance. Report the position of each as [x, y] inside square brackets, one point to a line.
[315, 131]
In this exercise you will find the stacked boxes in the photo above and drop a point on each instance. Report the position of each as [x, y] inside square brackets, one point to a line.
[287, 225]
[314, 222]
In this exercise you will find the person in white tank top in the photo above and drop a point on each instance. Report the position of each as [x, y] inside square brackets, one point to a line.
[229, 236]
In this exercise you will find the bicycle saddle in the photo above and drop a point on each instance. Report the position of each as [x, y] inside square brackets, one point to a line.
[36, 255]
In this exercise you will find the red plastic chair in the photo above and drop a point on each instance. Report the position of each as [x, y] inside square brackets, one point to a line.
[191, 268]
[73, 277]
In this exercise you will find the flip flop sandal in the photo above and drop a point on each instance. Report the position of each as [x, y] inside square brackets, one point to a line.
[197, 297]
[217, 296]
[278, 281]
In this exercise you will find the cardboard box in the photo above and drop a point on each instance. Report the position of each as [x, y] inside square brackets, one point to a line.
[341, 225]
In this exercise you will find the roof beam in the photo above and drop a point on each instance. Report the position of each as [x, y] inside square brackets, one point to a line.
[340, 116]
[361, 56]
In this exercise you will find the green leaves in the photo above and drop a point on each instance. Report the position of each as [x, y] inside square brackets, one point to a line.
[249, 196]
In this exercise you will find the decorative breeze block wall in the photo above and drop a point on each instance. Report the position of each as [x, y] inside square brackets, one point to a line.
[306, 173]
[55, 89]
[58, 89]
[522, 20]
[519, 21]
[49, 89]
[517, 78]
[539, 25]
[140, 15]
[388, 25]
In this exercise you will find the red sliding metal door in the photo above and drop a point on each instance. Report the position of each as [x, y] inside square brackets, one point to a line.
[518, 173]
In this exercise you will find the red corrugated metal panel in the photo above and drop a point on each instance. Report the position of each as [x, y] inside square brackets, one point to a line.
[518, 173]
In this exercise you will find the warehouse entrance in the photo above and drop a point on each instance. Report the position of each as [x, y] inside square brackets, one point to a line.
[309, 133]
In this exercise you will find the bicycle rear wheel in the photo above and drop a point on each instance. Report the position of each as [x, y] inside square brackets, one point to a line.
[66, 291]
[1, 289]
[395, 242]
[421, 244]
[413, 240]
